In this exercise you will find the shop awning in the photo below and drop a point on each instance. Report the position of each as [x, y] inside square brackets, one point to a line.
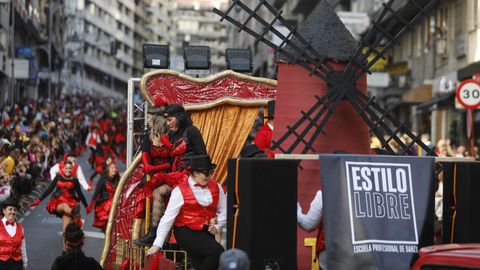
[468, 71]
[419, 94]
[443, 100]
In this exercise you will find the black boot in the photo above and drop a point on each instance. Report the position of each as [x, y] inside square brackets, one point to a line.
[148, 239]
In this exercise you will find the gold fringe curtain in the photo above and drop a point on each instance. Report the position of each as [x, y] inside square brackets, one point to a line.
[225, 129]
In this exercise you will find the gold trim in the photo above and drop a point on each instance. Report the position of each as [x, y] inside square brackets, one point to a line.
[113, 209]
[204, 80]
[228, 100]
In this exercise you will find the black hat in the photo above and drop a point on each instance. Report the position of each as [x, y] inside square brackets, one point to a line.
[250, 151]
[271, 109]
[10, 201]
[174, 110]
[201, 163]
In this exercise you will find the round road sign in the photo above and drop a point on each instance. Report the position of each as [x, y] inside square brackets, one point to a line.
[468, 94]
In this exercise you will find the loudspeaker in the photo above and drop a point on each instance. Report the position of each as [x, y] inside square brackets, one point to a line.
[263, 194]
[461, 189]
[156, 56]
[239, 60]
[196, 57]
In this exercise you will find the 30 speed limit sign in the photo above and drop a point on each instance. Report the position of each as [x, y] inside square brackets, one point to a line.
[468, 94]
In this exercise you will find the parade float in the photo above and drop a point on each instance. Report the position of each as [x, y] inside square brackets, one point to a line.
[223, 106]
[322, 108]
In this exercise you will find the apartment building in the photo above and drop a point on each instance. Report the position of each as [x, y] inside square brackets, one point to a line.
[197, 25]
[100, 43]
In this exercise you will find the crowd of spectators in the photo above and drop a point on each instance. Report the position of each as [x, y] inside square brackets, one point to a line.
[34, 135]
[443, 147]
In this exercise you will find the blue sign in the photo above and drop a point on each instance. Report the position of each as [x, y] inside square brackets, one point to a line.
[24, 52]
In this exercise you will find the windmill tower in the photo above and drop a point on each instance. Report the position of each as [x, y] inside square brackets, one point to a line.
[322, 103]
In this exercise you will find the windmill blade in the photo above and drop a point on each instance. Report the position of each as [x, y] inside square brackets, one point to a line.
[376, 117]
[305, 53]
[356, 67]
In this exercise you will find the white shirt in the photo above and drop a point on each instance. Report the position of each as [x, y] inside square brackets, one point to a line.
[204, 198]
[81, 178]
[311, 220]
[11, 230]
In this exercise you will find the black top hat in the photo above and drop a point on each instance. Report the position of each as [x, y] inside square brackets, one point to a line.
[201, 163]
[271, 109]
[174, 110]
[10, 201]
[250, 151]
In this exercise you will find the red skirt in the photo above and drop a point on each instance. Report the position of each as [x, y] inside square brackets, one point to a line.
[102, 211]
[66, 198]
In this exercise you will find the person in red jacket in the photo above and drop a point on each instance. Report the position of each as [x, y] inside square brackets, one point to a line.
[13, 253]
[263, 139]
[197, 211]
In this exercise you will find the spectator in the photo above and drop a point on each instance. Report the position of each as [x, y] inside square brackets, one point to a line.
[73, 257]
[234, 259]
[5, 189]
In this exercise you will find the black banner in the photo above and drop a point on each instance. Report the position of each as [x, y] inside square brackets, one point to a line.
[378, 210]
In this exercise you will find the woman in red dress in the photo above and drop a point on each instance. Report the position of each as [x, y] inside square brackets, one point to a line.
[103, 196]
[155, 160]
[65, 200]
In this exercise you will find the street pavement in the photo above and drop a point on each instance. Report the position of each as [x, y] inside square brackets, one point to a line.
[43, 231]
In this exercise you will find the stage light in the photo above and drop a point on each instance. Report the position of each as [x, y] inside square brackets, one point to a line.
[239, 60]
[156, 56]
[196, 57]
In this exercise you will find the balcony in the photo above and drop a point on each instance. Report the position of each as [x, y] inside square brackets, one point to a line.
[95, 87]
[113, 31]
[106, 68]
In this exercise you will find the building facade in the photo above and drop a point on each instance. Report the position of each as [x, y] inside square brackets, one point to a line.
[428, 65]
[30, 35]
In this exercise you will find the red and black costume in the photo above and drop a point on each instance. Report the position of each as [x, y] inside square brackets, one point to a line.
[104, 149]
[67, 190]
[155, 160]
[102, 199]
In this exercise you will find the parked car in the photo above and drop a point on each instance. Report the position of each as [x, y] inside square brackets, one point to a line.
[450, 256]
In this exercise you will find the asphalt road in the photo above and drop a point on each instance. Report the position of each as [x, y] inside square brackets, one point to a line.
[43, 231]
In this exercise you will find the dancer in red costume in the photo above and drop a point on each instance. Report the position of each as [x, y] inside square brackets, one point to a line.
[103, 196]
[93, 139]
[65, 200]
[13, 252]
[197, 210]
[184, 139]
[263, 139]
[156, 152]
[99, 170]
[77, 170]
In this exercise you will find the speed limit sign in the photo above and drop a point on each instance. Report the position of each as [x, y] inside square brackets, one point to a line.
[468, 94]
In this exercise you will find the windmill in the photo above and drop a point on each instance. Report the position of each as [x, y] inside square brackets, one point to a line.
[335, 90]
[385, 32]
